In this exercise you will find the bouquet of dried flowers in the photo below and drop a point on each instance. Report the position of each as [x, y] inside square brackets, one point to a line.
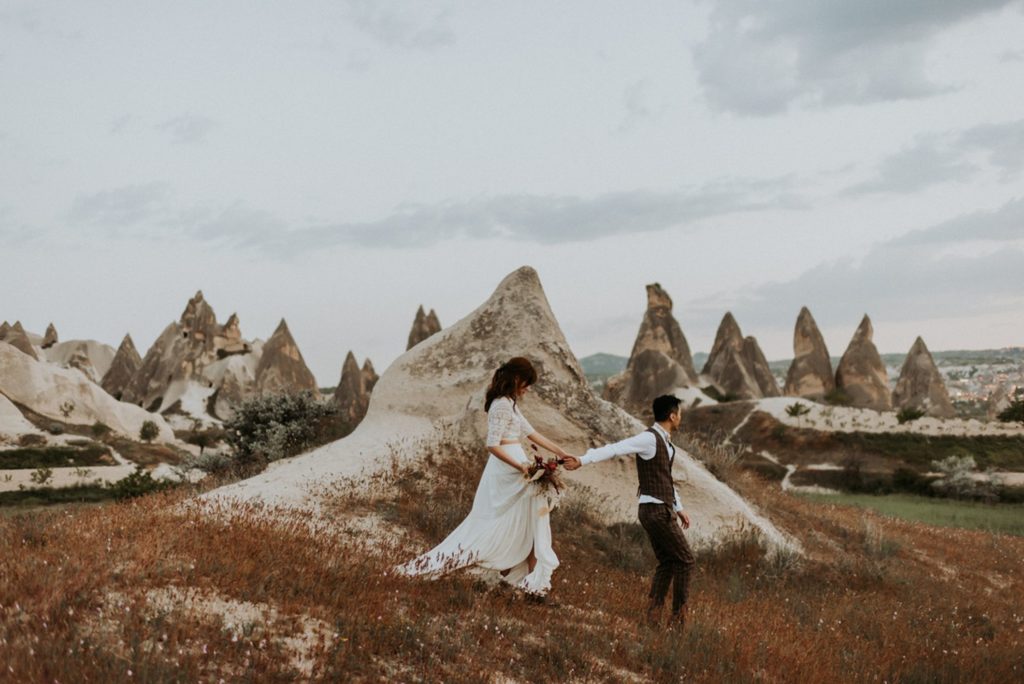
[544, 473]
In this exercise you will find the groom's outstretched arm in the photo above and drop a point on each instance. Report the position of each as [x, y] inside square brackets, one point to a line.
[642, 445]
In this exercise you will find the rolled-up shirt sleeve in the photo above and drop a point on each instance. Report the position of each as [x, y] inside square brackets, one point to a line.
[643, 445]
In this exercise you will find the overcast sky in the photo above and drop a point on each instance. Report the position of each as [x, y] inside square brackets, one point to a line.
[340, 163]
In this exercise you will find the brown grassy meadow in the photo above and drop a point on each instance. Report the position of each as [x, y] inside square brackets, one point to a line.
[150, 590]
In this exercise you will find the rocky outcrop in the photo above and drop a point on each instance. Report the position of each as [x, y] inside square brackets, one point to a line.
[90, 357]
[281, 368]
[736, 364]
[18, 338]
[423, 326]
[759, 368]
[920, 385]
[861, 373]
[810, 374]
[50, 338]
[5, 328]
[228, 340]
[45, 388]
[370, 376]
[660, 361]
[125, 365]
[430, 401]
[353, 392]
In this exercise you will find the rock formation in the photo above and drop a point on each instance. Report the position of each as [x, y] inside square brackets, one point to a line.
[90, 357]
[50, 338]
[861, 373]
[281, 368]
[122, 369]
[759, 368]
[430, 401]
[198, 366]
[5, 328]
[44, 388]
[810, 374]
[920, 385]
[18, 338]
[423, 326]
[736, 364]
[660, 361]
[353, 391]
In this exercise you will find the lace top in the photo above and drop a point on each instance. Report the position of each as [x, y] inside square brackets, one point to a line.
[504, 421]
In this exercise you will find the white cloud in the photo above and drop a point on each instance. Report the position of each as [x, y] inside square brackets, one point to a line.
[404, 24]
[188, 129]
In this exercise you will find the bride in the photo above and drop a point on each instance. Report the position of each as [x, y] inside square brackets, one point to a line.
[508, 528]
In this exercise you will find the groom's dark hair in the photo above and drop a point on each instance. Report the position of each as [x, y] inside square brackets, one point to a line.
[665, 406]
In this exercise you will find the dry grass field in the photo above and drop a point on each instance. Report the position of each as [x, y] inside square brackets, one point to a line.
[153, 591]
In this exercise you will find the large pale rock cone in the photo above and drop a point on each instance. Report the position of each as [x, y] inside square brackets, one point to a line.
[91, 358]
[423, 326]
[861, 372]
[353, 392]
[282, 369]
[50, 337]
[736, 364]
[920, 385]
[43, 388]
[759, 368]
[810, 374]
[18, 338]
[125, 365]
[660, 361]
[431, 398]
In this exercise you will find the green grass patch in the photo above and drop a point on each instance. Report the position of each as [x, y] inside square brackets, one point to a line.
[999, 451]
[997, 518]
[55, 457]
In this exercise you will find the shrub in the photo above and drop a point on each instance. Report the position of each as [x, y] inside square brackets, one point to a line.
[1014, 413]
[213, 462]
[715, 451]
[100, 429]
[798, 411]
[149, 431]
[269, 428]
[41, 475]
[138, 483]
[909, 415]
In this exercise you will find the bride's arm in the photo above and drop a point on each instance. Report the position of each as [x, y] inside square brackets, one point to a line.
[546, 443]
[503, 455]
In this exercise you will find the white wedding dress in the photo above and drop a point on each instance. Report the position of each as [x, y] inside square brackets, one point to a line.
[509, 517]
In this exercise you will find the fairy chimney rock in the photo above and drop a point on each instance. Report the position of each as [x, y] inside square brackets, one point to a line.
[18, 338]
[423, 326]
[228, 339]
[281, 368]
[352, 394]
[861, 373]
[123, 368]
[810, 374]
[5, 328]
[660, 361]
[920, 385]
[759, 368]
[50, 338]
[370, 376]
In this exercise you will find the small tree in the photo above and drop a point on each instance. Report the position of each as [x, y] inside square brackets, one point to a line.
[66, 409]
[149, 431]
[909, 415]
[1014, 413]
[798, 411]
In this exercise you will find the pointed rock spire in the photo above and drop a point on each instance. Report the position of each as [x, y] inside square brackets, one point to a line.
[660, 361]
[123, 368]
[810, 374]
[281, 368]
[198, 322]
[352, 395]
[50, 338]
[920, 385]
[370, 376]
[759, 368]
[18, 338]
[5, 328]
[861, 372]
[423, 326]
[228, 339]
[737, 365]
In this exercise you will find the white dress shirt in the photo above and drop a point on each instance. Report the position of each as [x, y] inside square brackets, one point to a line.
[643, 445]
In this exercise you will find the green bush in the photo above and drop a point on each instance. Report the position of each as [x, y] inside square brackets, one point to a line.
[1014, 413]
[138, 483]
[149, 431]
[269, 428]
[909, 415]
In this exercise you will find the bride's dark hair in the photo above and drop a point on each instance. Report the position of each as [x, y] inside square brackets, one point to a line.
[517, 370]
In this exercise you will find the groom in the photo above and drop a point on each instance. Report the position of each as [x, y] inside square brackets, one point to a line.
[659, 505]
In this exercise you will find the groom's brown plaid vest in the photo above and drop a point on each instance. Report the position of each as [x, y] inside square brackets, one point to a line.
[655, 474]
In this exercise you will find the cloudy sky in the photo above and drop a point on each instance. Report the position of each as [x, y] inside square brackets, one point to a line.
[340, 163]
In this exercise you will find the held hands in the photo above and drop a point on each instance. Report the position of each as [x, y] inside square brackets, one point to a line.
[571, 462]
